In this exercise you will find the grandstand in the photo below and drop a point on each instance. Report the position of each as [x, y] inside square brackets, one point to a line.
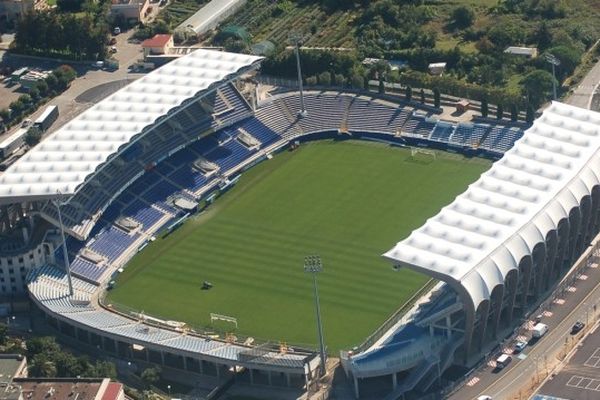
[181, 132]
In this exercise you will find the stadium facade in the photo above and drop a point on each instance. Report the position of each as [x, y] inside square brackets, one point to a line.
[140, 161]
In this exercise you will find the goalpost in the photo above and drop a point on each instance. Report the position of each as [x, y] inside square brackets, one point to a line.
[219, 317]
[421, 154]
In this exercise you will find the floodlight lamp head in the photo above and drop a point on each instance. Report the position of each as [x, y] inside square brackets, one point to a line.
[313, 264]
[552, 59]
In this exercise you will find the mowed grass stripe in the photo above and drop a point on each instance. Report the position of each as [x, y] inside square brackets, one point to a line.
[347, 201]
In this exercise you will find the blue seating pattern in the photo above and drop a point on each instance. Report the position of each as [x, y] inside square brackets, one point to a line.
[147, 216]
[112, 242]
[87, 270]
[442, 132]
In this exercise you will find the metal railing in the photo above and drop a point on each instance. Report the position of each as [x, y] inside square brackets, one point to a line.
[394, 318]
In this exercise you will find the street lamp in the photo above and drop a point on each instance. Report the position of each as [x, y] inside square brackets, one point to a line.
[169, 389]
[313, 265]
[296, 39]
[555, 62]
[57, 204]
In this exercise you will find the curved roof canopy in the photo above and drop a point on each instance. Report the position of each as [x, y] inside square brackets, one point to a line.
[481, 236]
[62, 161]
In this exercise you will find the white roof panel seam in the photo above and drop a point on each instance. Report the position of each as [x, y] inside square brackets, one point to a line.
[564, 166]
[105, 128]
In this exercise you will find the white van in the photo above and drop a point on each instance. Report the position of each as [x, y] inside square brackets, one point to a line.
[503, 361]
[539, 330]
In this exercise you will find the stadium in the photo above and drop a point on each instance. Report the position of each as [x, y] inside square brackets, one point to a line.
[126, 178]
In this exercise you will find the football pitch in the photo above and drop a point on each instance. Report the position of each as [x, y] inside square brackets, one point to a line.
[346, 201]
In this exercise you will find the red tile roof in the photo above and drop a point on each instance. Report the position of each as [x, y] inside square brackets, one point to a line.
[159, 40]
[112, 391]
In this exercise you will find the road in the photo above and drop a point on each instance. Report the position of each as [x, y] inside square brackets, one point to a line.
[582, 95]
[579, 378]
[573, 305]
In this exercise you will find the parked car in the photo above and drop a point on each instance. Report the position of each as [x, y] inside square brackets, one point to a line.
[117, 30]
[539, 330]
[113, 49]
[113, 41]
[503, 361]
[520, 346]
[484, 397]
[577, 327]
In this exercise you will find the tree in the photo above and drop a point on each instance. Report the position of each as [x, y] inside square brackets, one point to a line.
[514, 112]
[538, 85]
[357, 81]
[17, 107]
[25, 99]
[42, 87]
[5, 114]
[422, 96]
[69, 5]
[52, 82]
[436, 98]
[34, 92]
[542, 36]
[43, 367]
[340, 79]
[408, 93]
[151, 376]
[569, 59]
[33, 136]
[506, 34]
[381, 89]
[484, 107]
[311, 81]
[325, 78]
[499, 111]
[463, 17]
[3, 333]
[530, 114]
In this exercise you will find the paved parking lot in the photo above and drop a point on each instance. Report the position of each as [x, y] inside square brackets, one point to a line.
[90, 86]
[580, 378]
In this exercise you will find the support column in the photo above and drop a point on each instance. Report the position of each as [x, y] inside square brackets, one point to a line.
[483, 322]
[448, 326]
[394, 382]
[307, 380]
[356, 392]
[251, 377]
[185, 366]
[288, 379]
[218, 371]
[270, 379]
[201, 365]
[162, 358]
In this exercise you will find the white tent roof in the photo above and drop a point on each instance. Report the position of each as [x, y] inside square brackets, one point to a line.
[485, 232]
[62, 161]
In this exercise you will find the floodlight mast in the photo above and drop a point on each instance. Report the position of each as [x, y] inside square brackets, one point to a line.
[313, 265]
[550, 58]
[296, 39]
[57, 204]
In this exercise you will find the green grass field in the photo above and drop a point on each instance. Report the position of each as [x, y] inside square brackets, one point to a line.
[346, 201]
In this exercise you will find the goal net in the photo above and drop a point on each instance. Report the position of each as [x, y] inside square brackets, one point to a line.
[423, 155]
[225, 318]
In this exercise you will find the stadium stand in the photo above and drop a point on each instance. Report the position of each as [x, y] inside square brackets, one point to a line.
[129, 196]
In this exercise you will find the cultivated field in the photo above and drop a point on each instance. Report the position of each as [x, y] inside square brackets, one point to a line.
[346, 201]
